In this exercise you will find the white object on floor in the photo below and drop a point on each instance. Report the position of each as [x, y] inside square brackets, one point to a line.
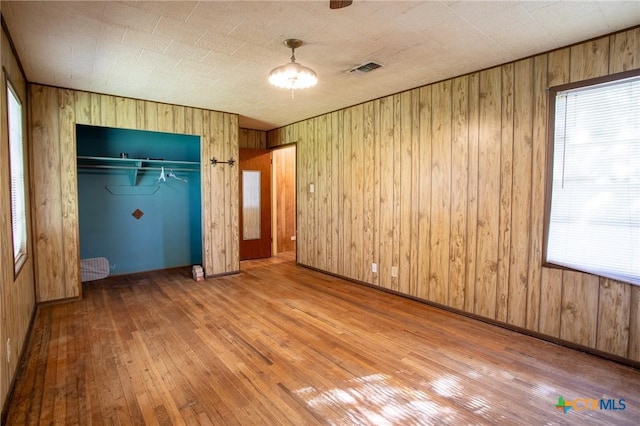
[95, 268]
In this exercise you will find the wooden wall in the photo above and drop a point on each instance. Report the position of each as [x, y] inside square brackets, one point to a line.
[54, 115]
[252, 139]
[445, 183]
[17, 298]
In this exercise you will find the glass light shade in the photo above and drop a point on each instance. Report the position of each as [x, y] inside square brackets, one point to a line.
[293, 76]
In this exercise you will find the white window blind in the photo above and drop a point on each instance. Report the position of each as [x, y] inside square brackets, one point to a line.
[16, 162]
[594, 223]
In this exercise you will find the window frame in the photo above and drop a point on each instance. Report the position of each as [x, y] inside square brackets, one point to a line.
[20, 260]
[552, 93]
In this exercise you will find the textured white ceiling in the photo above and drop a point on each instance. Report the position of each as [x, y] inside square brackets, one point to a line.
[218, 54]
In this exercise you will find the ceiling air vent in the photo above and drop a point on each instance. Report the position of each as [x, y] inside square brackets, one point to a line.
[365, 68]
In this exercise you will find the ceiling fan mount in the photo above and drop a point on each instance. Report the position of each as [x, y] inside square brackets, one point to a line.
[339, 4]
[293, 43]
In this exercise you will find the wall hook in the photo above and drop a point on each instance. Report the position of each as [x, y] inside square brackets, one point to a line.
[230, 162]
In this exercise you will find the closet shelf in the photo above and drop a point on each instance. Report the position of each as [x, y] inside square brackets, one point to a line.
[136, 165]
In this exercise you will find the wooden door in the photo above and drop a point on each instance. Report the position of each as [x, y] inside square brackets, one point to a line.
[255, 203]
[284, 199]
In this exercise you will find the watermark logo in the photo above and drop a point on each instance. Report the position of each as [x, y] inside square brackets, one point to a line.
[562, 405]
[589, 404]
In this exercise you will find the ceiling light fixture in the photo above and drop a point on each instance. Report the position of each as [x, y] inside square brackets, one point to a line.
[293, 75]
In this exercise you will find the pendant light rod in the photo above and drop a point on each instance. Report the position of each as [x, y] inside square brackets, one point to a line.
[293, 44]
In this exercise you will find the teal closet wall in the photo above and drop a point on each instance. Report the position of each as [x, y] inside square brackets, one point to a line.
[169, 232]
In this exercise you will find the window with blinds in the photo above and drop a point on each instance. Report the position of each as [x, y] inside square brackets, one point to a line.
[16, 163]
[594, 215]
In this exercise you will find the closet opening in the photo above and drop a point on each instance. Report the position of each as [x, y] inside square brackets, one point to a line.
[139, 200]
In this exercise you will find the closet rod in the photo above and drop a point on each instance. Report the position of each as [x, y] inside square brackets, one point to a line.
[100, 166]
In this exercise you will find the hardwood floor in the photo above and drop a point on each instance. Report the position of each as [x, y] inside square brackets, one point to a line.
[280, 344]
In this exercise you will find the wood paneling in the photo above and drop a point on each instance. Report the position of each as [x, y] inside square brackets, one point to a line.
[50, 263]
[634, 325]
[503, 296]
[624, 47]
[17, 295]
[472, 219]
[613, 317]
[521, 196]
[424, 197]
[440, 213]
[55, 113]
[489, 141]
[386, 192]
[578, 320]
[306, 223]
[589, 59]
[252, 139]
[558, 63]
[397, 191]
[334, 218]
[302, 187]
[331, 177]
[232, 184]
[323, 242]
[68, 185]
[345, 199]
[404, 197]
[538, 167]
[356, 194]
[369, 188]
[459, 191]
[458, 187]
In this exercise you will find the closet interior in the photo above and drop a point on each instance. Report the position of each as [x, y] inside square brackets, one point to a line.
[139, 196]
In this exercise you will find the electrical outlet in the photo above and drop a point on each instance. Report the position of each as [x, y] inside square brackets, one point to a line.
[312, 188]
[8, 350]
[394, 271]
[293, 238]
[374, 268]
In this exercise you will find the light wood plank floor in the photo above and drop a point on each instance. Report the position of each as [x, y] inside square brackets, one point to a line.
[280, 344]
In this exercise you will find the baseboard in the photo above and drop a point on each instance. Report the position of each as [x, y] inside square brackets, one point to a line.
[223, 274]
